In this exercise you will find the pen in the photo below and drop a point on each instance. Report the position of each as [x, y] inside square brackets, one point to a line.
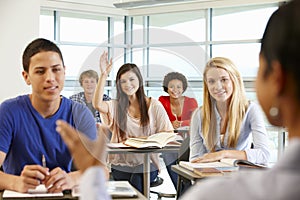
[44, 161]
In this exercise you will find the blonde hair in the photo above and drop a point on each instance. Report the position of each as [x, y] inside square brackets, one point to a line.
[235, 111]
[88, 73]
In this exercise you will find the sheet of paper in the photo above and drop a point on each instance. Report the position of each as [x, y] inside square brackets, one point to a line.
[39, 191]
[116, 189]
[117, 145]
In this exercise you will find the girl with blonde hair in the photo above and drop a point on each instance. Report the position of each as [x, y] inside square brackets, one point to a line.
[228, 123]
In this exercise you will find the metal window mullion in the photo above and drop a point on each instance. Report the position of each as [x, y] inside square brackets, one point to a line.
[209, 31]
[56, 19]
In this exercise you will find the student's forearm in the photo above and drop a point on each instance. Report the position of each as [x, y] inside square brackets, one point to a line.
[236, 154]
[8, 181]
[98, 96]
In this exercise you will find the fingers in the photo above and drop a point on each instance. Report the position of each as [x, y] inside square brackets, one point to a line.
[68, 134]
[35, 172]
[105, 64]
[195, 160]
[86, 153]
[31, 176]
[58, 181]
[208, 157]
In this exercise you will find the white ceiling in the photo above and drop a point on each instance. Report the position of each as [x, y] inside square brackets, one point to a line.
[107, 7]
[109, 3]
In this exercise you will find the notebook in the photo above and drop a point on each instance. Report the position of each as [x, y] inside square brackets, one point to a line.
[116, 189]
[39, 191]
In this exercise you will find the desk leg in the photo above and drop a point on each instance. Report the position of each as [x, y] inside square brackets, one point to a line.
[147, 175]
[179, 181]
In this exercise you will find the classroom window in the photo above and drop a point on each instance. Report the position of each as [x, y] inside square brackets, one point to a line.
[82, 28]
[160, 43]
[240, 23]
[47, 25]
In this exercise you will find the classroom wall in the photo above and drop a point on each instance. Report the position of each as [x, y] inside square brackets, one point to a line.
[19, 24]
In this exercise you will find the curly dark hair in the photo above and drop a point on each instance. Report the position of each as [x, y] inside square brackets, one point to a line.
[172, 76]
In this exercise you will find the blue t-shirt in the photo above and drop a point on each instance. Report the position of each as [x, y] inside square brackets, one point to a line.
[25, 136]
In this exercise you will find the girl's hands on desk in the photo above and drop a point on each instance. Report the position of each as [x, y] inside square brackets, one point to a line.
[210, 157]
[216, 156]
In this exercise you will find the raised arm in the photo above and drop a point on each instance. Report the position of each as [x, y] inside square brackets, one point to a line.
[105, 68]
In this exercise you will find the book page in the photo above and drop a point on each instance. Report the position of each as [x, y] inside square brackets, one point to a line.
[163, 137]
[241, 163]
[229, 161]
[141, 143]
[117, 145]
[158, 140]
[218, 165]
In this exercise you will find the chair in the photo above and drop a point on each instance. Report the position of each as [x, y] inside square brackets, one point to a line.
[183, 155]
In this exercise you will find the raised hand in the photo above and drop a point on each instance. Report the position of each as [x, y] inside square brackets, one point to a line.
[105, 65]
[86, 153]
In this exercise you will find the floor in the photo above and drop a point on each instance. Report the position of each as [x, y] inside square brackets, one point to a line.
[166, 187]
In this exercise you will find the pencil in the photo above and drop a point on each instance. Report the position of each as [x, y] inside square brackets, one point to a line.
[44, 161]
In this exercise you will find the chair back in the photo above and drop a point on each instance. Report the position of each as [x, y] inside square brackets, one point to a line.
[184, 150]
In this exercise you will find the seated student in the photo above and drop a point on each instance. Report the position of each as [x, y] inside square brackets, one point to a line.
[27, 125]
[227, 123]
[88, 81]
[278, 89]
[132, 114]
[179, 109]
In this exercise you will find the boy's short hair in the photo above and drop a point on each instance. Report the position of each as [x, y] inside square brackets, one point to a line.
[37, 46]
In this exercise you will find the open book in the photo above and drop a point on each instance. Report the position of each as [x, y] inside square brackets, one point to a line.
[157, 140]
[224, 165]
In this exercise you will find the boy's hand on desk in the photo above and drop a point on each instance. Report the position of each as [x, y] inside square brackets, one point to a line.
[58, 180]
[86, 153]
[30, 177]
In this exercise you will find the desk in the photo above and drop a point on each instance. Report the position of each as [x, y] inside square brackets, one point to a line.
[183, 174]
[189, 175]
[146, 153]
[183, 131]
[68, 196]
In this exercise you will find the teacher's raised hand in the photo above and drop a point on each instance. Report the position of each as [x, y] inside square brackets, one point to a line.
[86, 153]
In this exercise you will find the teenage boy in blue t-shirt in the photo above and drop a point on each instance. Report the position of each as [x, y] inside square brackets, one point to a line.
[27, 125]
